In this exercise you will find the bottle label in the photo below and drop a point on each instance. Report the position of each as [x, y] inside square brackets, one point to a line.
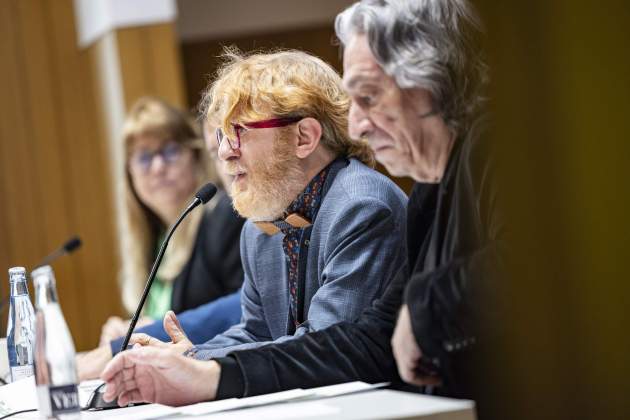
[64, 399]
[21, 372]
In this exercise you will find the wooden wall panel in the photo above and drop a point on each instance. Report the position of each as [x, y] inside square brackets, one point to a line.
[88, 176]
[53, 166]
[166, 64]
[150, 63]
[18, 198]
[40, 91]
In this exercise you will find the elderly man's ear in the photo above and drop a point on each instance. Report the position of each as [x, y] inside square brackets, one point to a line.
[309, 135]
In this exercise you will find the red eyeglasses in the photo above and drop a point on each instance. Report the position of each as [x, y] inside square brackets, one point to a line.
[238, 129]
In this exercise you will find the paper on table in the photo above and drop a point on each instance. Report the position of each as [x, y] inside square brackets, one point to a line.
[283, 396]
[347, 388]
[18, 395]
[280, 412]
[234, 403]
[85, 391]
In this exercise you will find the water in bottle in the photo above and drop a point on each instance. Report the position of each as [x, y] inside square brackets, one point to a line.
[55, 368]
[21, 326]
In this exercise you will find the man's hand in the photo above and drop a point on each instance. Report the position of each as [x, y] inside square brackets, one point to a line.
[179, 341]
[149, 374]
[408, 354]
[91, 364]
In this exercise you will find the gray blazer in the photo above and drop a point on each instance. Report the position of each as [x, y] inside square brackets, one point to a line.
[357, 242]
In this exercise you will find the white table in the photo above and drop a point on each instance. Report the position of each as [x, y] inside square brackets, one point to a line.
[377, 404]
[374, 404]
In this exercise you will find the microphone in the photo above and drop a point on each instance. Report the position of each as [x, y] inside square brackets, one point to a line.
[70, 246]
[202, 196]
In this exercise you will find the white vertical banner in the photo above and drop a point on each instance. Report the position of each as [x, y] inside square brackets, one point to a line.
[95, 18]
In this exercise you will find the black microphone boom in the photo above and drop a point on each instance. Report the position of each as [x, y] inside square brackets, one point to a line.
[202, 196]
[70, 246]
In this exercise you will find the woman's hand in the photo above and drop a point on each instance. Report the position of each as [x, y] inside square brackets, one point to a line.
[116, 327]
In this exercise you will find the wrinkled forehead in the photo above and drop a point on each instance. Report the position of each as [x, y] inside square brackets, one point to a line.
[359, 65]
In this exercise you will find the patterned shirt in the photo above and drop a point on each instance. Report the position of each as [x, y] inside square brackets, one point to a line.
[306, 205]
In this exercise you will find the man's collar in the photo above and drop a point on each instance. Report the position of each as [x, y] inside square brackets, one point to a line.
[293, 220]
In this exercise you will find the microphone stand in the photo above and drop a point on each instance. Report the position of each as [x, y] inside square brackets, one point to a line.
[203, 196]
[156, 264]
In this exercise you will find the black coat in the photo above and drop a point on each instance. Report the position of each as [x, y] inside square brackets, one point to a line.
[214, 268]
[453, 233]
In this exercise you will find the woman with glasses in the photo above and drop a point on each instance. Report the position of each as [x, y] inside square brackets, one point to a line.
[164, 164]
[200, 277]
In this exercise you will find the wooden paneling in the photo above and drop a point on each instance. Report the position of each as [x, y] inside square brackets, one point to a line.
[55, 179]
[150, 63]
[55, 156]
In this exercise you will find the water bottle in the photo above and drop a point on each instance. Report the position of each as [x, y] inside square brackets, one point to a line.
[55, 368]
[21, 326]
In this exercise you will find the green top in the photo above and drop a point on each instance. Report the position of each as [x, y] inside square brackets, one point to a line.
[159, 299]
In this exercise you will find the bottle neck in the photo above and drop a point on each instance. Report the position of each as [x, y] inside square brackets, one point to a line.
[45, 291]
[19, 287]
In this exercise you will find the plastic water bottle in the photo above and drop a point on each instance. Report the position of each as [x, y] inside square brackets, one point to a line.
[55, 368]
[21, 326]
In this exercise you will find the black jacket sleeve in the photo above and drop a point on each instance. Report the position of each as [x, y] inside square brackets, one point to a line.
[341, 353]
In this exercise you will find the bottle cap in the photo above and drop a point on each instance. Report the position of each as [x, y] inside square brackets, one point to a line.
[17, 273]
[44, 270]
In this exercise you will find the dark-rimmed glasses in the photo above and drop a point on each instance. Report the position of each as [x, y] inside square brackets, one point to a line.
[238, 129]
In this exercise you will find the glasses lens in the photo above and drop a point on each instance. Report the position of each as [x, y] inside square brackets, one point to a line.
[142, 160]
[221, 136]
[171, 152]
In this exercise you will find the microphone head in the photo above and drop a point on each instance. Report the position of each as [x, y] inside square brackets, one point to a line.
[206, 192]
[72, 244]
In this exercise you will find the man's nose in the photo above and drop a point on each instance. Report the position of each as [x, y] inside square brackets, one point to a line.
[226, 152]
[359, 123]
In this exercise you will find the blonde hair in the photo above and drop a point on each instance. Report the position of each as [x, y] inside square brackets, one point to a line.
[139, 227]
[283, 84]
